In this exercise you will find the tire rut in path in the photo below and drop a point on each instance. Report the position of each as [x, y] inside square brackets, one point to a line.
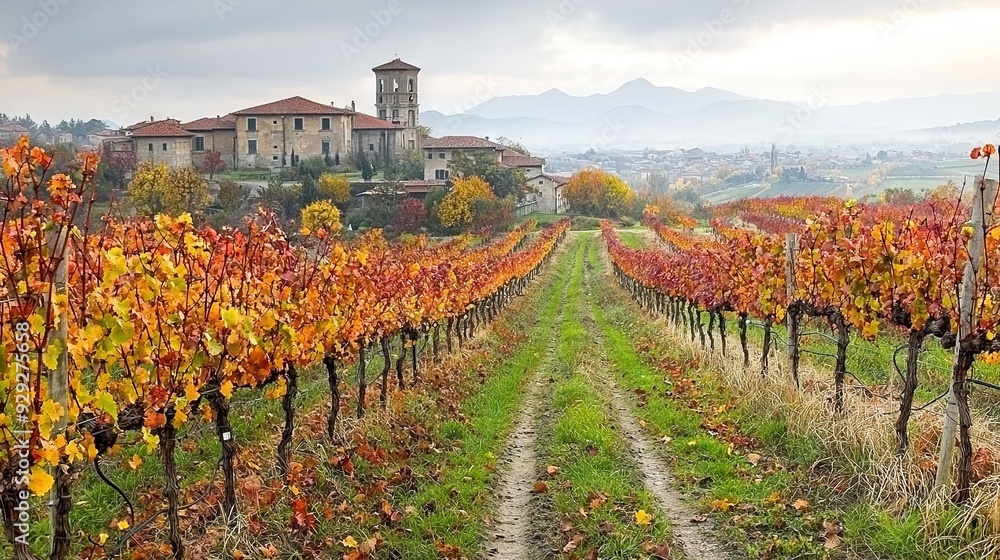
[517, 533]
[695, 539]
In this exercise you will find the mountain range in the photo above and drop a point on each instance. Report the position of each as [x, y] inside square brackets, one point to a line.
[642, 115]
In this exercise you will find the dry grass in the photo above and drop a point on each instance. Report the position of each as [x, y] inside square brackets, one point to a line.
[860, 442]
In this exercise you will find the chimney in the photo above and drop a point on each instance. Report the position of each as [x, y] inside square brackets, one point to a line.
[353, 106]
[487, 138]
[151, 118]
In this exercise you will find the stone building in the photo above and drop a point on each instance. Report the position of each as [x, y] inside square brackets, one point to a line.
[381, 140]
[438, 153]
[213, 134]
[397, 99]
[11, 133]
[162, 142]
[282, 133]
[548, 193]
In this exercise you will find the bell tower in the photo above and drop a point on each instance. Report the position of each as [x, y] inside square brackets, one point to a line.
[397, 99]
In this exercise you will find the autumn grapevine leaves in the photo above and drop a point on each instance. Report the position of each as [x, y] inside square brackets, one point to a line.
[165, 320]
[856, 266]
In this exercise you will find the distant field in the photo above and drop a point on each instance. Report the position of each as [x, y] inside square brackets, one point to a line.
[802, 189]
[542, 218]
[727, 195]
[912, 183]
[856, 174]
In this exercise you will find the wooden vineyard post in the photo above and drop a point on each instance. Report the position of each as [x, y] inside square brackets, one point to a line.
[791, 317]
[957, 411]
[59, 501]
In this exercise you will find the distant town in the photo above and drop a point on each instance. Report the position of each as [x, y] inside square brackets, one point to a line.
[252, 145]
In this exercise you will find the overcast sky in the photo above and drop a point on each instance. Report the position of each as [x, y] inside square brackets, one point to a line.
[129, 59]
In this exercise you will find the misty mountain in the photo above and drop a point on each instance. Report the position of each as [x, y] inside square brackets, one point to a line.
[640, 115]
[558, 106]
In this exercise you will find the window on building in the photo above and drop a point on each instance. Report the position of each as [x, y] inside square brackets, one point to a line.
[410, 86]
[326, 147]
[413, 145]
[395, 114]
[381, 114]
[412, 119]
[299, 123]
[380, 99]
[252, 147]
[199, 143]
[395, 85]
[324, 123]
[275, 122]
[441, 174]
[441, 155]
[381, 85]
[151, 146]
[371, 147]
[275, 158]
[164, 146]
[252, 124]
[412, 99]
[430, 155]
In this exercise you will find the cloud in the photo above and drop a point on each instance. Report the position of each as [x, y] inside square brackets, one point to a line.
[223, 55]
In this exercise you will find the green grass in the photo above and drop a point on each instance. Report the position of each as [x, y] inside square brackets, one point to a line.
[731, 194]
[266, 174]
[97, 507]
[583, 442]
[632, 239]
[457, 502]
[542, 218]
[714, 470]
[871, 362]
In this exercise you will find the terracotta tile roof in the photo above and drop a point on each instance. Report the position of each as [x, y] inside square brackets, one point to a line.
[515, 159]
[142, 124]
[13, 128]
[206, 124]
[459, 143]
[429, 184]
[107, 133]
[294, 106]
[366, 122]
[161, 129]
[395, 65]
[557, 179]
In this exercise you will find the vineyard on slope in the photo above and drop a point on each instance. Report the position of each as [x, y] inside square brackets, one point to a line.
[913, 270]
[139, 325]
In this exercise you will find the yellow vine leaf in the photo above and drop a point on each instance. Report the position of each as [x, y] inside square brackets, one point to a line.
[40, 481]
[642, 518]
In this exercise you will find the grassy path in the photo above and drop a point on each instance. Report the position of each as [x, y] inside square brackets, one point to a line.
[600, 490]
[516, 533]
[691, 531]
